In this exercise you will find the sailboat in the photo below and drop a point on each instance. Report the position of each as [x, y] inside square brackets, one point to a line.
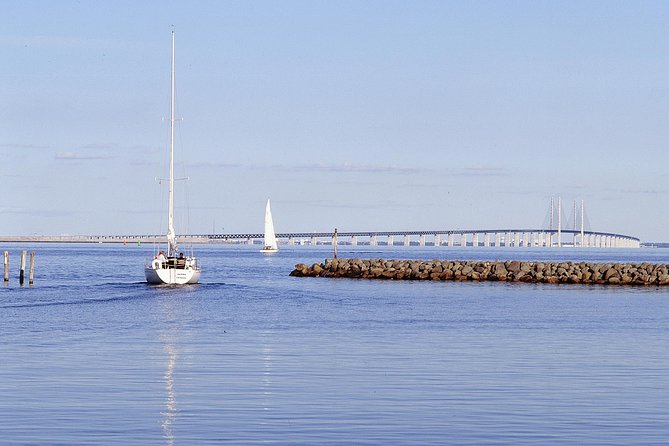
[269, 244]
[173, 268]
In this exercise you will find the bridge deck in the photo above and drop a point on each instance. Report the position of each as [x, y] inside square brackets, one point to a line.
[205, 238]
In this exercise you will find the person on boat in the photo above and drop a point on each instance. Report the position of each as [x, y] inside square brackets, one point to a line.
[181, 261]
[159, 261]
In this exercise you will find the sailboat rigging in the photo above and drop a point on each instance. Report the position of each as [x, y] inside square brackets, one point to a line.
[173, 268]
[269, 244]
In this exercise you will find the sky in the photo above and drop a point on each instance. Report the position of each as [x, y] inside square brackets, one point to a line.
[361, 115]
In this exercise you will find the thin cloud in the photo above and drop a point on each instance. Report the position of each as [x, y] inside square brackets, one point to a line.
[215, 165]
[331, 204]
[320, 167]
[75, 156]
[349, 167]
[35, 212]
[144, 163]
[366, 205]
[639, 191]
[482, 172]
[362, 168]
[526, 191]
[138, 211]
[57, 42]
[98, 146]
[23, 146]
[305, 202]
[143, 148]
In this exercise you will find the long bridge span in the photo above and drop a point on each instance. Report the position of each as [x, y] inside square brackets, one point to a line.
[548, 238]
[467, 237]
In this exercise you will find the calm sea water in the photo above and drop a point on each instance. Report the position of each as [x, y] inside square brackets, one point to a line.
[90, 354]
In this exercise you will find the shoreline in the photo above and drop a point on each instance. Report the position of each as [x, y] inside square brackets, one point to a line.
[587, 273]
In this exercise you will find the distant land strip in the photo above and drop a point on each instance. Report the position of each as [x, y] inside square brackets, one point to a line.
[648, 274]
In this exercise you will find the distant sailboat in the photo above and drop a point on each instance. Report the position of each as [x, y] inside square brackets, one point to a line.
[269, 244]
[173, 269]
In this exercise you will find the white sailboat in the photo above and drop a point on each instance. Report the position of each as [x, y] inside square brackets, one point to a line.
[173, 268]
[269, 244]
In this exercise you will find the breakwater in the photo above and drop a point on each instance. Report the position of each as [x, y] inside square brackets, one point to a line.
[506, 271]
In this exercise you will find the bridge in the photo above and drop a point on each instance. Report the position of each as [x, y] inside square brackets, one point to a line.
[555, 236]
[547, 238]
[468, 237]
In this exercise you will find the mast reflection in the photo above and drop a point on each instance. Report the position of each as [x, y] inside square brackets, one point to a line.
[170, 314]
[170, 413]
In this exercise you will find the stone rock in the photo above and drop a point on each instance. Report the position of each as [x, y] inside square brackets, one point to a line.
[376, 272]
[513, 267]
[447, 274]
[387, 274]
[663, 279]
[499, 269]
[611, 272]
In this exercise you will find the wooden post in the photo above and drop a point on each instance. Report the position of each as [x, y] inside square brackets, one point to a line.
[6, 266]
[334, 242]
[22, 271]
[31, 275]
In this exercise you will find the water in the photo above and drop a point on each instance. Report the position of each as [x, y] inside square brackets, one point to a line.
[92, 355]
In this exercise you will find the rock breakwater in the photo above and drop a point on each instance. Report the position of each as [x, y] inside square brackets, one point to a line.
[507, 271]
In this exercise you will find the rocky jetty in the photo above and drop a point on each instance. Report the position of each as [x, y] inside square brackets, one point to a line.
[508, 271]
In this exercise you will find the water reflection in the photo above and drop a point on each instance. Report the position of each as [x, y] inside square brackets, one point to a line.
[171, 313]
[170, 413]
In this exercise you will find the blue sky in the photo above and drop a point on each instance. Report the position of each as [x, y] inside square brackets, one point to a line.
[376, 115]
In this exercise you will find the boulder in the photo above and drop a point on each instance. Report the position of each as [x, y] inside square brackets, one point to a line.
[513, 267]
[447, 274]
[376, 272]
[611, 272]
[499, 269]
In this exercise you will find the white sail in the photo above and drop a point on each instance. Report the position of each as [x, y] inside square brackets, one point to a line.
[269, 244]
[173, 269]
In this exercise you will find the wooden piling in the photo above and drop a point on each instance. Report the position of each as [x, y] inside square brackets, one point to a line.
[31, 275]
[6, 266]
[22, 271]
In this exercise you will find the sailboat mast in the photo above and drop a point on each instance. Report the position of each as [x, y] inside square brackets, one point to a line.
[171, 238]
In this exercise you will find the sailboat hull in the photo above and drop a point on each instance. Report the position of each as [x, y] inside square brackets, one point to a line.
[171, 276]
[269, 250]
